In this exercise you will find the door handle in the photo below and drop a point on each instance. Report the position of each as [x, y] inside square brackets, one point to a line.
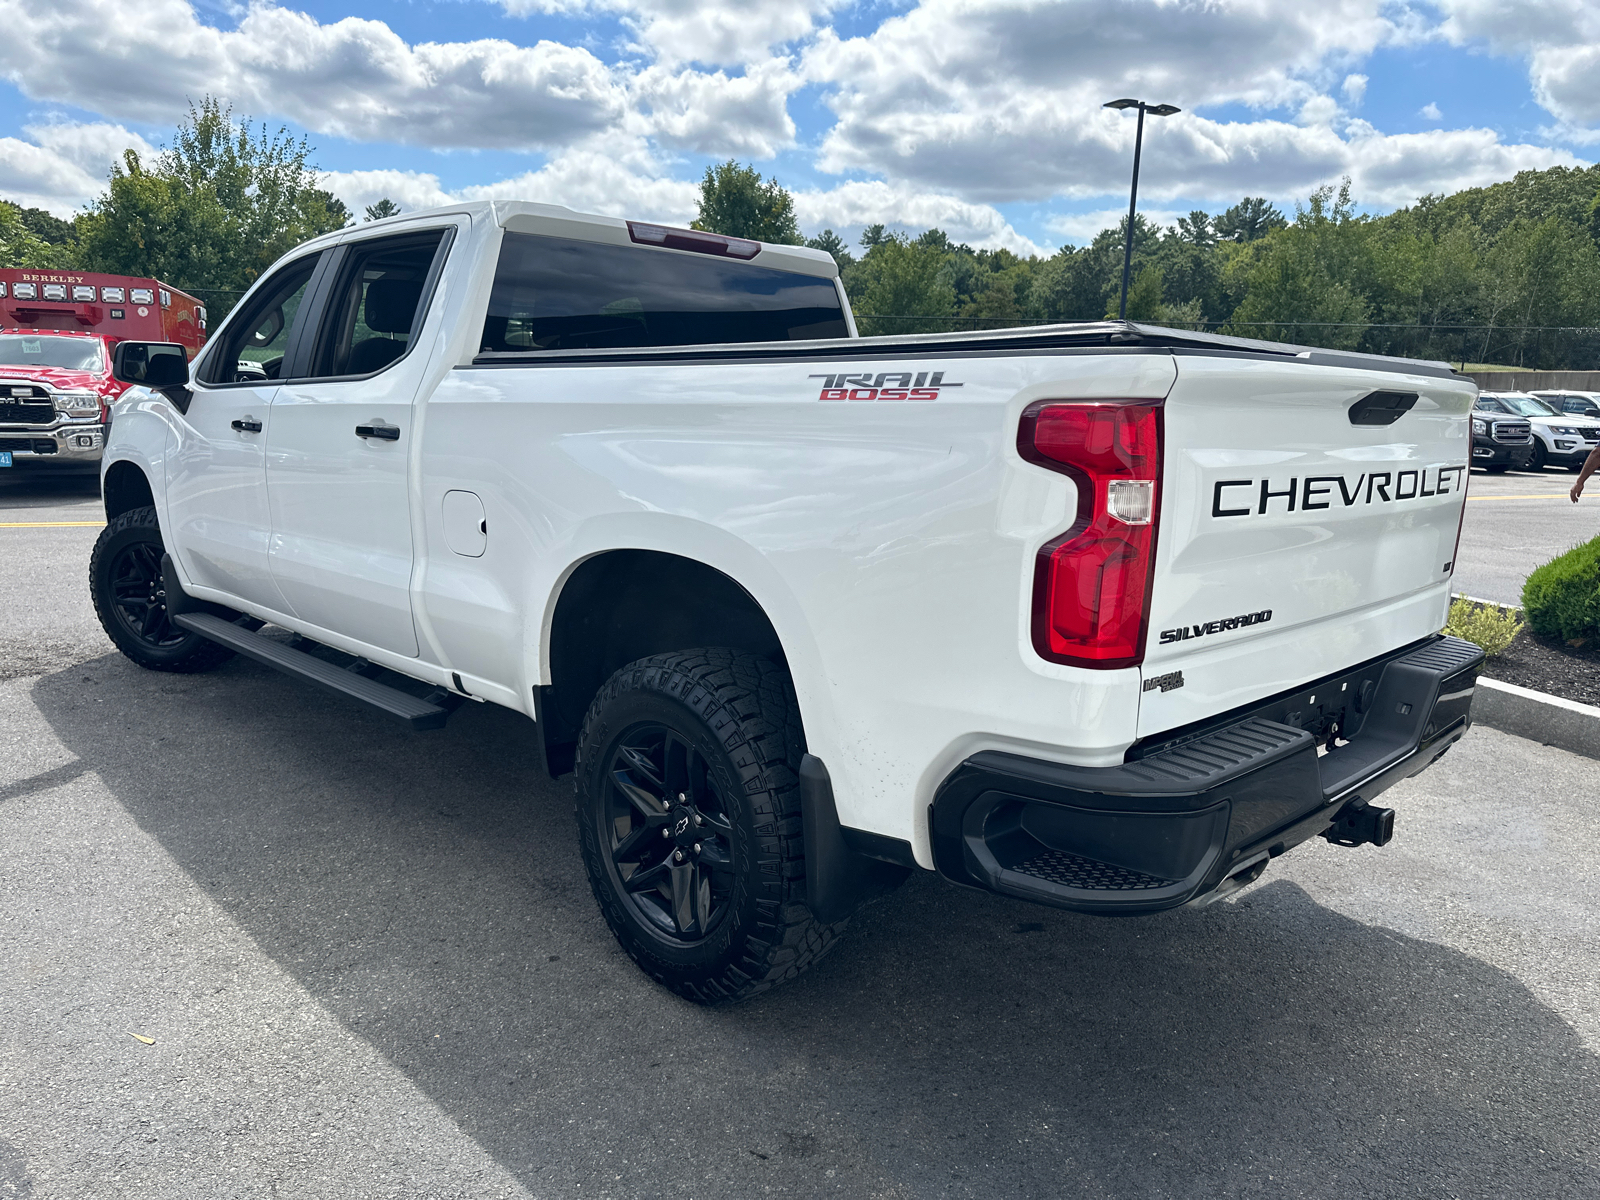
[387, 433]
[247, 425]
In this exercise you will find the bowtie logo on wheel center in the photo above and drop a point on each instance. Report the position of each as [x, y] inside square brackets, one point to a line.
[683, 830]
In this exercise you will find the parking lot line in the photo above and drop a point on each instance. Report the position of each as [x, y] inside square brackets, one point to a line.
[1537, 496]
[51, 524]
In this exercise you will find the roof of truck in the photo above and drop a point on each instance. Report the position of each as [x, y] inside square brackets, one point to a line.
[554, 220]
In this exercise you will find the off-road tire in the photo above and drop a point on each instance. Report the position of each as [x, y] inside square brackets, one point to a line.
[738, 712]
[136, 534]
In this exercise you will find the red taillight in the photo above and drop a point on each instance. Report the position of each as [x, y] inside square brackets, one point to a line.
[1461, 522]
[1091, 586]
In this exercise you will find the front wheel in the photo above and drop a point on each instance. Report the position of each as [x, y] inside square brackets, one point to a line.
[130, 599]
[688, 807]
[1539, 457]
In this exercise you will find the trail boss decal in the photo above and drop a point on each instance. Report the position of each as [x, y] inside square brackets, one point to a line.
[1184, 632]
[1251, 497]
[912, 386]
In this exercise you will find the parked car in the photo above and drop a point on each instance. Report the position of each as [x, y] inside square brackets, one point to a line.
[1559, 440]
[1101, 616]
[1500, 442]
[1577, 404]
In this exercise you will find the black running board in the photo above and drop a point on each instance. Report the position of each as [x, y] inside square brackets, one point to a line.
[416, 712]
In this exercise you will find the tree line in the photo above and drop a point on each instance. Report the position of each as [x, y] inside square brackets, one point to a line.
[208, 214]
[1507, 273]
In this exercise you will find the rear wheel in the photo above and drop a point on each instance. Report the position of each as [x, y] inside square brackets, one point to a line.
[130, 599]
[688, 812]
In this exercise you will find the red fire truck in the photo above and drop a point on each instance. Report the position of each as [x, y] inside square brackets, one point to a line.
[57, 329]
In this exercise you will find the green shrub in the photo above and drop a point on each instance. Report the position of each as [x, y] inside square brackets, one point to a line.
[1486, 625]
[1562, 598]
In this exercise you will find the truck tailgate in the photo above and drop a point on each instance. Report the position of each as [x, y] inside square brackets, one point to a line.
[1297, 537]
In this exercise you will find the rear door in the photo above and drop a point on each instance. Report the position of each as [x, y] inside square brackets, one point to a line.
[1309, 520]
[339, 449]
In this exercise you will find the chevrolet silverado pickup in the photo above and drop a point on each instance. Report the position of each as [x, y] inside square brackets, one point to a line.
[1101, 616]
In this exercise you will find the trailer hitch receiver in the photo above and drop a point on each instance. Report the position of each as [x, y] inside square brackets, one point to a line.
[1361, 824]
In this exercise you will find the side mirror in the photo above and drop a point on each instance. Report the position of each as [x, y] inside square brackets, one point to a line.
[160, 366]
[150, 364]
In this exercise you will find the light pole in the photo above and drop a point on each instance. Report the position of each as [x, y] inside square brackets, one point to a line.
[1155, 110]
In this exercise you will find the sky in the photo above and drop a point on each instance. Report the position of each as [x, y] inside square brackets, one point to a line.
[981, 117]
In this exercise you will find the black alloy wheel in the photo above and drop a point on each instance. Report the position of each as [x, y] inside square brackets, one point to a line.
[688, 808]
[130, 598]
[672, 842]
[140, 595]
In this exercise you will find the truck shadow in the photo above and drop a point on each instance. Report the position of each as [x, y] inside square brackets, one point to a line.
[427, 891]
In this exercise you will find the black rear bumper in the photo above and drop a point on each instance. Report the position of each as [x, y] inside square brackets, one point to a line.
[1194, 809]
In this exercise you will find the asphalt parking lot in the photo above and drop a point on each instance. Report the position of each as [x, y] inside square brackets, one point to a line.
[369, 965]
[1515, 522]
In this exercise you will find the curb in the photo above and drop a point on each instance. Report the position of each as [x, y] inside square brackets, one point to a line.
[1454, 596]
[1565, 724]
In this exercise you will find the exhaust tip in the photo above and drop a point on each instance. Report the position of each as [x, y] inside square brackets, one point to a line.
[1242, 877]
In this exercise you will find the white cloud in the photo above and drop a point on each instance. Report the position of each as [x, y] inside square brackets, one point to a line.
[409, 189]
[358, 79]
[851, 206]
[999, 100]
[353, 78]
[1081, 227]
[715, 114]
[1560, 39]
[1430, 112]
[950, 106]
[719, 32]
[625, 181]
[63, 164]
[635, 184]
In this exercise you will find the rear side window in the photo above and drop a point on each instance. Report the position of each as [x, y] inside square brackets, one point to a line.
[562, 294]
[374, 304]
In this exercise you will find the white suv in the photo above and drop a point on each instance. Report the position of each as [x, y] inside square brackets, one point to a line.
[1577, 404]
[1559, 439]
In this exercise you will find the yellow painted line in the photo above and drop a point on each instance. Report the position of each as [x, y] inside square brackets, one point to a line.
[51, 524]
[1540, 496]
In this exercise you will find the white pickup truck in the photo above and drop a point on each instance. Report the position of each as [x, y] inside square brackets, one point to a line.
[1102, 616]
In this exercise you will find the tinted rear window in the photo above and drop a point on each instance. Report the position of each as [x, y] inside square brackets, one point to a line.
[561, 294]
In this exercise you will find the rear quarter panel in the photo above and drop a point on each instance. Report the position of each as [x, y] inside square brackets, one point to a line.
[890, 543]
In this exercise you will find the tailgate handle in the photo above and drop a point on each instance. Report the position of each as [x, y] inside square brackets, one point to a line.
[1381, 408]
